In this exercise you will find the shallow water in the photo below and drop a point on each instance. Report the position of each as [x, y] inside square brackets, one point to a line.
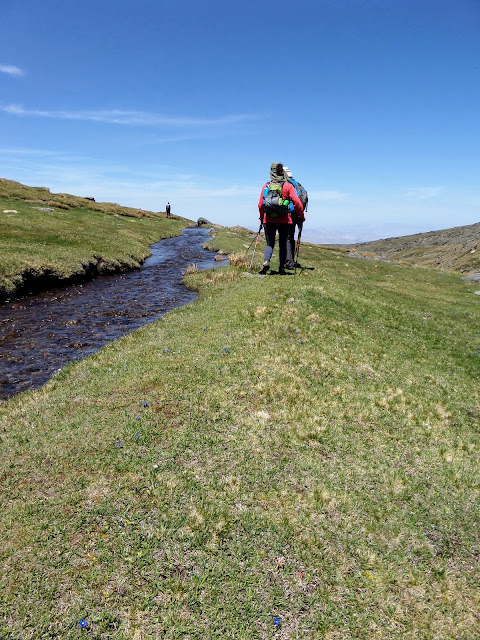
[41, 333]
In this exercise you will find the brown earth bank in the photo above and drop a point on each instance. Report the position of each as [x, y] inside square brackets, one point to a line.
[454, 249]
[42, 280]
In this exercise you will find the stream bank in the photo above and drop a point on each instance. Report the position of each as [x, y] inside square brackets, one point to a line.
[41, 333]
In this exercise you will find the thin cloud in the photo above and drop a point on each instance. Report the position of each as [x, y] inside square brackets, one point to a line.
[30, 152]
[424, 193]
[11, 70]
[116, 116]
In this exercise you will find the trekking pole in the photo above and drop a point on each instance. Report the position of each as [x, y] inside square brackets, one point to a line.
[298, 248]
[249, 246]
[256, 242]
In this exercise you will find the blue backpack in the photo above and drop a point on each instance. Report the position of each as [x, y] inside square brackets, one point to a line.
[301, 193]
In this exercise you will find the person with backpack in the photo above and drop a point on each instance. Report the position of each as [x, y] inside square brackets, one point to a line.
[168, 209]
[274, 205]
[303, 197]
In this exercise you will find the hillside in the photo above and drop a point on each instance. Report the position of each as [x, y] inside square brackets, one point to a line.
[301, 447]
[48, 239]
[43, 197]
[455, 249]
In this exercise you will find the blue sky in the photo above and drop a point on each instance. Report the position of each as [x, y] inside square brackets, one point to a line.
[373, 104]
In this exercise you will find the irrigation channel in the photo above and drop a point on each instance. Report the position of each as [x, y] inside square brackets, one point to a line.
[41, 333]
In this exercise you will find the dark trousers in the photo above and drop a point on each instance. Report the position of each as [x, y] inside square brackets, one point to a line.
[290, 261]
[271, 229]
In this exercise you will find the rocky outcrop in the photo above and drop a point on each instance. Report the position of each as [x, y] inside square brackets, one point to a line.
[473, 277]
[201, 222]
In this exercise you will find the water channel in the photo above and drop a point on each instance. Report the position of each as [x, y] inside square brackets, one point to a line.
[41, 333]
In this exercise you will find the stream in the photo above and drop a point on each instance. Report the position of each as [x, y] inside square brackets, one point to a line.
[41, 333]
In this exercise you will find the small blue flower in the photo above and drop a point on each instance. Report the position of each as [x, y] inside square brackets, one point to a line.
[119, 444]
[144, 404]
[83, 624]
[137, 436]
[219, 368]
[227, 333]
[277, 623]
[137, 418]
[206, 329]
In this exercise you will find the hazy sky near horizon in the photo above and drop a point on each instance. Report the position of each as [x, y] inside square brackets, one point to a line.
[373, 104]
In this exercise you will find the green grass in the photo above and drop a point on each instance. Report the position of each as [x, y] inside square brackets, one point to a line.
[66, 242]
[309, 450]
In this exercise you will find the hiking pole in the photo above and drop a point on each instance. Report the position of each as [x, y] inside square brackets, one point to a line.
[256, 242]
[253, 240]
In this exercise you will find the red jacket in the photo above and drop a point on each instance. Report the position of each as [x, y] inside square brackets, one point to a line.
[288, 191]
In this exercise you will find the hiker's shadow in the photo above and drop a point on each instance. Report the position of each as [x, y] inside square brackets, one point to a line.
[278, 273]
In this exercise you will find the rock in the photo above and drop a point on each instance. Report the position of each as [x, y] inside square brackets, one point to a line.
[10, 211]
[473, 277]
[202, 221]
[43, 208]
[219, 258]
[477, 293]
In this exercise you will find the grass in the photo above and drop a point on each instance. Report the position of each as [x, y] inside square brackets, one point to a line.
[296, 447]
[72, 238]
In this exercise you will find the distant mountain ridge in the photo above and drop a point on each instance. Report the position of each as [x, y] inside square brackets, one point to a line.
[455, 249]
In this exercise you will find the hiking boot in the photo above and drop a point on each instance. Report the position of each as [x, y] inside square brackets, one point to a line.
[282, 272]
[290, 266]
[265, 268]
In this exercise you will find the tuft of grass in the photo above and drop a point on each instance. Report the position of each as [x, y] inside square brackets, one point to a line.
[191, 268]
[240, 260]
[301, 447]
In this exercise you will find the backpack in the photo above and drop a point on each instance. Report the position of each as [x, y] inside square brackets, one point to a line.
[301, 193]
[274, 204]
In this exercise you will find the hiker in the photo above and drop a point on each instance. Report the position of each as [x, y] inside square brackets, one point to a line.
[303, 197]
[168, 209]
[274, 207]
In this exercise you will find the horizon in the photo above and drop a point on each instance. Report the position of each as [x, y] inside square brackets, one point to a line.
[372, 106]
[314, 236]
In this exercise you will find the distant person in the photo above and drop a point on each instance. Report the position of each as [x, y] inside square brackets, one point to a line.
[274, 207]
[168, 209]
[303, 197]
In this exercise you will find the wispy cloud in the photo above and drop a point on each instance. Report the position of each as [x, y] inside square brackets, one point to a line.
[117, 116]
[11, 70]
[30, 152]
[424, 193]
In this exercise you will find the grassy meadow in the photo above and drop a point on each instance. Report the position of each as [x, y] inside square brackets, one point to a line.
[74, 237]
[301, 447]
